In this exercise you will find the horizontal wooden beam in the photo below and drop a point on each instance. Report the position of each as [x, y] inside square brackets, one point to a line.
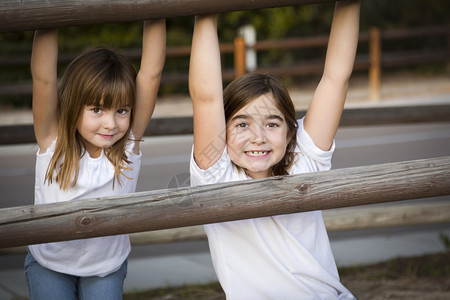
[353, 218]
[19, 15]
[20, 134]
[350, 218]
[188, 206]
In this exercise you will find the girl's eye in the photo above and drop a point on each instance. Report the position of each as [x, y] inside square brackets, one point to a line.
[272, 125]
[96, 110]
[242, 125]
[122, 111]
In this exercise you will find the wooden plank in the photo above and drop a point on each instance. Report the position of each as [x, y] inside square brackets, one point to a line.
[188, 206]
[22, 15]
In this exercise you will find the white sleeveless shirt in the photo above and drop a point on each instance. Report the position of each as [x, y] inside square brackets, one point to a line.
[94, 256]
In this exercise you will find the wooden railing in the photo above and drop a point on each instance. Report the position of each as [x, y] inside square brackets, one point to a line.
[180, 207]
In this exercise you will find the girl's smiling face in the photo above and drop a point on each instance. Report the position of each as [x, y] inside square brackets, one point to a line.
[257, 136]
[101, 128]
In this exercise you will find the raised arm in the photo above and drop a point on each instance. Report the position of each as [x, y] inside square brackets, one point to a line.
[205, 87]
[323, 116]
[149, 75]
[44, 60]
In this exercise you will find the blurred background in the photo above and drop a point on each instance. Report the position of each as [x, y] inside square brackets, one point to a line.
[268, 24]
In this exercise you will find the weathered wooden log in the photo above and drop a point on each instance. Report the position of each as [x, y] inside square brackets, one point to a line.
[352, 218]
[19, 15]
[349, 218]
[182, 206]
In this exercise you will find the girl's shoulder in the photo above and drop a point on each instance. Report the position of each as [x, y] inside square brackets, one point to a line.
[223, 170]
[309, 157]
[50, 149]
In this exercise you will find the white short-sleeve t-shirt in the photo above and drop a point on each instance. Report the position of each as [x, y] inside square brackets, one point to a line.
[94, 256]
[278, 257]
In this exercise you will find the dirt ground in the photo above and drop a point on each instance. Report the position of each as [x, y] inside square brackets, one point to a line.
[417, 278]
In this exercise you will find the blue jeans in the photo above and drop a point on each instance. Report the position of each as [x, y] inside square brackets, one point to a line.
[45, 284]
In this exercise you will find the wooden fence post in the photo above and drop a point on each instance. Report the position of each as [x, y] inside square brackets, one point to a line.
[239, 56]
[448, 51]
[375, 61]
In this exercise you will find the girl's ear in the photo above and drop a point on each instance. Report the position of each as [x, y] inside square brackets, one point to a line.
[291, 138]
[292, 133]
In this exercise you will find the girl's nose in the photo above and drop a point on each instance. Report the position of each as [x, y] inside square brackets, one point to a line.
[258, 135]
[109, 121]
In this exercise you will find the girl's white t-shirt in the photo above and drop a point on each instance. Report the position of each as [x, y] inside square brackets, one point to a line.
[93, 256]
[278, 257]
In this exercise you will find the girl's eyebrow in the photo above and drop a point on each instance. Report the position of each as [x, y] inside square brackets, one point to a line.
[269, 117]
[239, 117]
[277, 117]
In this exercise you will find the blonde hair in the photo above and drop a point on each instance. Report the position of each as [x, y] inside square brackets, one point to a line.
[245, 89]
[98, 77]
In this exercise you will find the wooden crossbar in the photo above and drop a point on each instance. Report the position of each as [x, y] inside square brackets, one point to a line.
[188, 206]
[20, 15]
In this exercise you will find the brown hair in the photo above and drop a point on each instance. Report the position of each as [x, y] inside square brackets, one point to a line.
[100, 77]
[245, 89]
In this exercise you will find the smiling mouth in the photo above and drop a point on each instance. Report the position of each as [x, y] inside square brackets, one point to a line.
[107, 136]
[257, 153]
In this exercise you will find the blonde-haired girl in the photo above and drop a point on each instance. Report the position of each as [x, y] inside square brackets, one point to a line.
[88, 131]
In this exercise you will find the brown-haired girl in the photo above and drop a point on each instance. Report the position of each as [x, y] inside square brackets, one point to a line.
[88, 131]
[249, 131]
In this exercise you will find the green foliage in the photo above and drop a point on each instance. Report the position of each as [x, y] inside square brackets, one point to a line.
[280, 22]
[404, 13]
[445, 240]
[116, 35]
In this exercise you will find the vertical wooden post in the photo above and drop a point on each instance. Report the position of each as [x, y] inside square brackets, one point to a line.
[375, 61]
[239, 56]
[448, 51]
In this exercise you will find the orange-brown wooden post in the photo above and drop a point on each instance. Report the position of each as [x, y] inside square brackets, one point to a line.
[375, 61]
[239, 56]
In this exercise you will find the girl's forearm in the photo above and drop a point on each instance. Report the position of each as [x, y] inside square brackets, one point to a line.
[44, 57]
[343, 40]
[44, 60]
[149, 76]
[205, 74]
[205, 87]
[153, 48]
